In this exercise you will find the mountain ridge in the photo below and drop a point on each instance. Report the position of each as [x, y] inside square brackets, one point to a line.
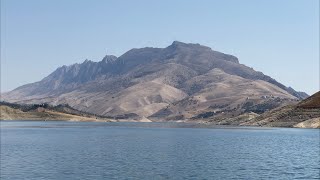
[111, 86]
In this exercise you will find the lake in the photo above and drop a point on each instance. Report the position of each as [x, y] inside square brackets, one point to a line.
[95, 150]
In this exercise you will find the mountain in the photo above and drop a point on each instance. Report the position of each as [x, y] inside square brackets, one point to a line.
[181, 81]
[305, 114]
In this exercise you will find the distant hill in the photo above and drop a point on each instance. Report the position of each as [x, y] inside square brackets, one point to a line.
[305, 114]
[311, 102]
[181, 81]
[12, 111]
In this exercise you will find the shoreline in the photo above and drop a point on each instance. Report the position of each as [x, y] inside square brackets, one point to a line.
[181, 122]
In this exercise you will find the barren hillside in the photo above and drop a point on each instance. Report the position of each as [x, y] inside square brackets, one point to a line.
[181, 81]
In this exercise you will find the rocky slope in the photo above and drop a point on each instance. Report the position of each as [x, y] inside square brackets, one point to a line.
[306, 114]
[181, 81]
[9, 111]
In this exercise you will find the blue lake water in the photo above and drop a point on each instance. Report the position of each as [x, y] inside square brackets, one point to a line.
[92, 150]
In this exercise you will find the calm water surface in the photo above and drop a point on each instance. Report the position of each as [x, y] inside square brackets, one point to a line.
[81, 150]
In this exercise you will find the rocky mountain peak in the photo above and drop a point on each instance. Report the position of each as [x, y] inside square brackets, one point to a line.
[181, 81]
[87, 61]
[109, 59]
[178, 44]
[198, 50]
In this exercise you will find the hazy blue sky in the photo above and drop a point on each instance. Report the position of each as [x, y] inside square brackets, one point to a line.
[278, 37]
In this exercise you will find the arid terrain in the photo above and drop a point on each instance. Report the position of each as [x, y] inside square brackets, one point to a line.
[177, 82]
[182, 82]
[305, 114]
[42, 112]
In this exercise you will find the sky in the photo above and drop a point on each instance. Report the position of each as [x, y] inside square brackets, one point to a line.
[277, 37]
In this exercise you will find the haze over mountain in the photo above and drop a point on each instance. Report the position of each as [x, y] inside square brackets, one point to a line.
[181, 81]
